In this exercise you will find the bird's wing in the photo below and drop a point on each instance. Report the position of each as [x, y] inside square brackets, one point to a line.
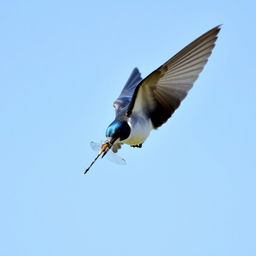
[160, 93]
[126, 94]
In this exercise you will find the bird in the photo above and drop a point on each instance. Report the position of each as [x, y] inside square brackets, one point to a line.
[146, 104]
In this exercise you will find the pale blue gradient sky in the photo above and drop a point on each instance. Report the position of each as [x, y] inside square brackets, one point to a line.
[189, 191]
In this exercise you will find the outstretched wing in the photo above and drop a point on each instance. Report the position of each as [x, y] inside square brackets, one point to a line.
[160, 93]
[126, 94]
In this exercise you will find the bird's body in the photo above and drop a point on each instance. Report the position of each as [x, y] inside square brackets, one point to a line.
[141, 127]
[146, 104]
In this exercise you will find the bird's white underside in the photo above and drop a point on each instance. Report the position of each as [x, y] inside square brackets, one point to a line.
[140, 129]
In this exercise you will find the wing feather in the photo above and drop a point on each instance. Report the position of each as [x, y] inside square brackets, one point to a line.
[124, 98]
[160, 93]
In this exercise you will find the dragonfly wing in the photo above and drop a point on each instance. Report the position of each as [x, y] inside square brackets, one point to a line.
[95, 146]
[113, 157]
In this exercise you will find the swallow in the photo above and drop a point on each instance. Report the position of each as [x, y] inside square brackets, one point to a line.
[146, 104]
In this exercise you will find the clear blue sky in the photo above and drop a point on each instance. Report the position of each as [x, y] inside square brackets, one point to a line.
[189, 191]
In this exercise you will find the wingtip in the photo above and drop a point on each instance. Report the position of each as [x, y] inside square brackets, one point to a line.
[218, 28]
[136, 69]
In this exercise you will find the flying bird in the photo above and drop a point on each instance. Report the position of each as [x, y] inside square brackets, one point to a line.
[146, 104]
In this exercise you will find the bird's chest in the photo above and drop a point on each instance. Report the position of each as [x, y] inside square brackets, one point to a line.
[140, 130]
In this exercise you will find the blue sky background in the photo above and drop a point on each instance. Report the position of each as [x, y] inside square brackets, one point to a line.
[189, 191]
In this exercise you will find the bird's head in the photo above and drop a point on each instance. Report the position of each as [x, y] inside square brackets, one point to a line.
[118, 130]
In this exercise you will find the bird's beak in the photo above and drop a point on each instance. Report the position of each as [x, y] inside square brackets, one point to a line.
[112, 141]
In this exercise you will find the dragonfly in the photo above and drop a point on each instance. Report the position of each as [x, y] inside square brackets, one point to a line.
[102, 150]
